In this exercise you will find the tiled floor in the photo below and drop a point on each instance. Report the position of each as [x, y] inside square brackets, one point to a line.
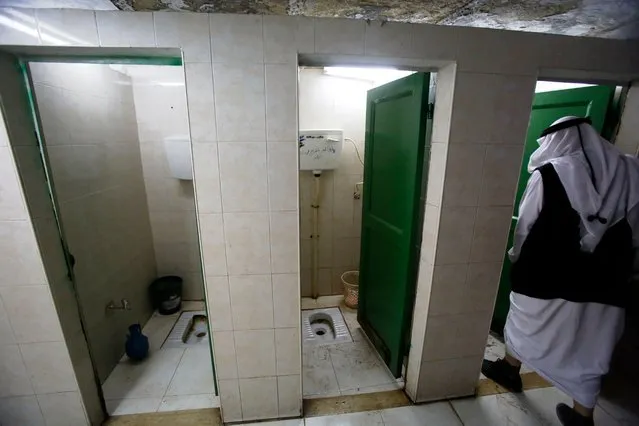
[531, 408]
[170, 379]
[343, 368]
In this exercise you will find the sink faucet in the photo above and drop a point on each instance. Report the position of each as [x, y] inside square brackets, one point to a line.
[123, 306]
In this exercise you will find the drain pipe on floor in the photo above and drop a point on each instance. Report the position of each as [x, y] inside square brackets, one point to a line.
[315, 236]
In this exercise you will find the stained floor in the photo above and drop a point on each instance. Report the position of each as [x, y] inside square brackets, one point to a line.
[343, 368]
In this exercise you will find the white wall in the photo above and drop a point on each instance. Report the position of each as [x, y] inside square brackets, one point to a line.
[329, 102]
[335, 102]
[91, 138]
[241, 84]
[160, 109]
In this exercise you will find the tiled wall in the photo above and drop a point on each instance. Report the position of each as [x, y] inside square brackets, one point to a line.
[91, 139]
[473, 176]
[160, 109]
[241, 93]
[330, 102]
[37, 380]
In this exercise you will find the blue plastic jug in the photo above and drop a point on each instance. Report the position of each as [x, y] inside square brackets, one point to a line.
[137, 344]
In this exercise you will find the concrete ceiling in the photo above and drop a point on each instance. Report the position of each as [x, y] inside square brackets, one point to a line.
[600, 18]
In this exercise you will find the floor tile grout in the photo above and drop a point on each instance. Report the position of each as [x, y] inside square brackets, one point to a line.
[450, 403]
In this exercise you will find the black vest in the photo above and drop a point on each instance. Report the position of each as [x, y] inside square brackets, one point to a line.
[552, 265]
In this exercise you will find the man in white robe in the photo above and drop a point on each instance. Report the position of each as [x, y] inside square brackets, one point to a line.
[566, 330]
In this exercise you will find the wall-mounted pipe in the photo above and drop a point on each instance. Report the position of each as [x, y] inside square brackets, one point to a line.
[315, 204]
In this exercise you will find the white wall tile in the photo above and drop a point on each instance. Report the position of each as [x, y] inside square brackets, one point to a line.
[448, 285]
[500, 175]
[67, 27]
[240, 102]
[482, 284]
[19, 255]
[247, 243]
[452, 336]
[171, 227]
[225, 357]
[259, 398]
[213, 247]
[472, 115]
[14, 379]
[388, 39]
[35, 189]
[284, 36]
[490, 234]
[455, 235]
[200, 98]
[339, 36]
[190, 31]
[287, 349]
[249, 343]
[236, 38]
[464, 167]
[242, 172]
[125, 29]
[286, 297]
[18, 26]
[289, 391]
[21, 410]
[430, 232]
[433, 42]
[230, 400]
[282, 175]
[12, 206]
[436, 173]
[448, 378]
[49, 367]
[62, 409]
[462, 289]
[245, 291]
[512, 105]
[32, 314]
[284, 242]
[444, 92]
[516, 51]
[207, 178]
[219, 303]
[281, 102]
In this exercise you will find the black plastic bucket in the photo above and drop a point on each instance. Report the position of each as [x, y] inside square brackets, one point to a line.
[166, 294]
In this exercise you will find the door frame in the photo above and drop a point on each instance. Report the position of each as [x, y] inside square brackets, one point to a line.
[314, 61]
[80, 55]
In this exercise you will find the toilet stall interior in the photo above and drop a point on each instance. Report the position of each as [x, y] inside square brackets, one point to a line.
[339, 357]
[115, 147]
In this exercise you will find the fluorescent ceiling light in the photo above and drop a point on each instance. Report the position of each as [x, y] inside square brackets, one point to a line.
[375, 75]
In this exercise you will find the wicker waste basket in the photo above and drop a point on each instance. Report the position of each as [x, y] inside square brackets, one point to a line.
[350, 279]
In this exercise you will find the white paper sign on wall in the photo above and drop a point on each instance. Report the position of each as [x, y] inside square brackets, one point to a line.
[320, 149]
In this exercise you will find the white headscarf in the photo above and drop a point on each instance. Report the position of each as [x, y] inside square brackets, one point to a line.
[610, 190]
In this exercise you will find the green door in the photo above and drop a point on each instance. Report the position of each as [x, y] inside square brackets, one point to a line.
[548, 107]
[395, 143]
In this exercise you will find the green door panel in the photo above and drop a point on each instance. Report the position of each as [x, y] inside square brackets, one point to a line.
[395, 143]
[548, 107]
